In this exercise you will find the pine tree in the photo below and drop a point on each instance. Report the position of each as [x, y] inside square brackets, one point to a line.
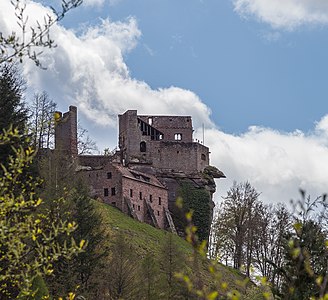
[122, 271]
[171, 262]
[150, 278]
[89, 221]
[12, 110]
[83, 269]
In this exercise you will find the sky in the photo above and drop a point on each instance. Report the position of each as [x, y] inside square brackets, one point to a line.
[254, 72]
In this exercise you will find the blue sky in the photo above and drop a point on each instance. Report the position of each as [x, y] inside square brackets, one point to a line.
[247, 72]
[254, 72]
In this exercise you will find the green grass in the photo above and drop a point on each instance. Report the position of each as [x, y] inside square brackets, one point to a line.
[144, 237]
[147, 239]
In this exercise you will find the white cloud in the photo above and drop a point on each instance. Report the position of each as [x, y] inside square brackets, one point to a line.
[284, 14]
[276, 163]
[322, 126]
[100, 2]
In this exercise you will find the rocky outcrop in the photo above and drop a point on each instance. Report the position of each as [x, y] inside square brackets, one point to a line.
[196, 191]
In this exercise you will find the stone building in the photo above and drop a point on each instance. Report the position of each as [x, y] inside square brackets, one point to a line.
[135, 193]
[164, 143]
[142, 178]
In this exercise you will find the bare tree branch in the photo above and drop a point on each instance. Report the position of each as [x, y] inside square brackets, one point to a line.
[16, 46]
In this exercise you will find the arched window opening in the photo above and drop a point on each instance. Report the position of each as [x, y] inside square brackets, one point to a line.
[143, 147]
[178, 136]
[203, 156]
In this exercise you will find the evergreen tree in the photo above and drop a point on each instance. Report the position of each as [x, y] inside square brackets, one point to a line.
[150, 279]
[171, 262]
[89, 221]
[12, 110]
[67, 196]
[122, 276]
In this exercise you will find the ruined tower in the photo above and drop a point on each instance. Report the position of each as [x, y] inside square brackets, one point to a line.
[66, 132]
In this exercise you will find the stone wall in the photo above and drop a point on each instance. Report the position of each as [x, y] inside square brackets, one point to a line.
[100, 179]
[115, 184]
[182, 157]
[171, 126]
[160, 148]
[139, 193]
[66, 132]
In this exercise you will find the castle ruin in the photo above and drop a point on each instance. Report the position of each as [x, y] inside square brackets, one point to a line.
[142, 178]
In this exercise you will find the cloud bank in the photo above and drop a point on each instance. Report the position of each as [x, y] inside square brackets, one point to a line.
[276, 163]
[284, 14]
[89, 70]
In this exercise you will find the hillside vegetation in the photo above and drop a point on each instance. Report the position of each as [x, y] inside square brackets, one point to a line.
[143, 240]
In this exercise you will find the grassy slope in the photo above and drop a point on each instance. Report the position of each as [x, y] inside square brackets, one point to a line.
[148, 239]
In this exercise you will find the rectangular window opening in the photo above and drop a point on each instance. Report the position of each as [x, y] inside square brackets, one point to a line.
[113, 191]
[106, 193]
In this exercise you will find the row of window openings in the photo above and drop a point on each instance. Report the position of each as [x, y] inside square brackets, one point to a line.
[106, 192]
[143, 146]
[150, 120]
[150, 197]
[113, 193]
[134, 206]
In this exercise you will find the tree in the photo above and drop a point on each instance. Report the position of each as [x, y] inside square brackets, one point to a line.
[171, 262]
[305, 268]
[237, 224]
[12, 110]
[31, 38]
[42, 120]
[150, 277]
[305, 262]
[270, 242]
[85, 145]
[28, 249]
[82, 269]
[122, 270]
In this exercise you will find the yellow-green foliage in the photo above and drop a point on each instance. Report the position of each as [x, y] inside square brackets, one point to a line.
[28, 250]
